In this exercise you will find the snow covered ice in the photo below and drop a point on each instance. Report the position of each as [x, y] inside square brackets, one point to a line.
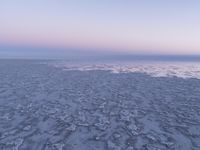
[47, 105]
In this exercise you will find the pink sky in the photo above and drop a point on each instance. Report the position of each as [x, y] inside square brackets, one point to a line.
[166, 27]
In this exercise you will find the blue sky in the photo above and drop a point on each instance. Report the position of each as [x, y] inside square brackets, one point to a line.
[114, 26]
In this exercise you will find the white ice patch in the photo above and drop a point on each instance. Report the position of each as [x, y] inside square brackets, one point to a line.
[156, 69]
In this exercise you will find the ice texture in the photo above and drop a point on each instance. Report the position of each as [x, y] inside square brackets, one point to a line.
[153, 68]
[43, 107]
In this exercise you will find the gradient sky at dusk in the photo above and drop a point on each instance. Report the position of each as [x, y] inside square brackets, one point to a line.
[141, 27]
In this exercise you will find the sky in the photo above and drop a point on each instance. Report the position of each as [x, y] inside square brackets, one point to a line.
[42, 27]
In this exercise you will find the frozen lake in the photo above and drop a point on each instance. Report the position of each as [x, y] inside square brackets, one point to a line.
[60, 105]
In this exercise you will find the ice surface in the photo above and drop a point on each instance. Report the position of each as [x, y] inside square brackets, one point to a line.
[155, 69]
[43, 107]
